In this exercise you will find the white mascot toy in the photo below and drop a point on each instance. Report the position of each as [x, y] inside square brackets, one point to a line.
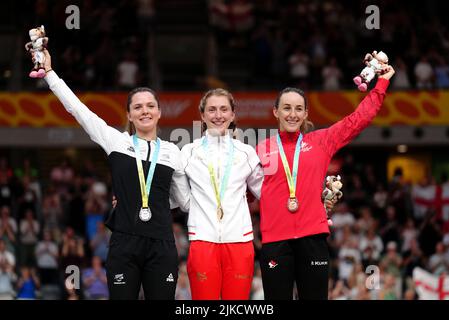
[36, 47]
[332, 192]
[375, 63]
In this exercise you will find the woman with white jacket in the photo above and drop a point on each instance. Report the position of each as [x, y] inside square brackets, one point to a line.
[220, 169]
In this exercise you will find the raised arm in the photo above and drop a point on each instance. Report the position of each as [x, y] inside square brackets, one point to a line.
[342, 132]
[96, 128]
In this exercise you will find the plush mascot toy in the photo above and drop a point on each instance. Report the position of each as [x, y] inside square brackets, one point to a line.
[36, 47]
[332, 192]
[375, 62]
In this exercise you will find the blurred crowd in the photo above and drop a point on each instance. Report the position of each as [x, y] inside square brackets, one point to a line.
[321, 44]
[51, 228]
[311, 44]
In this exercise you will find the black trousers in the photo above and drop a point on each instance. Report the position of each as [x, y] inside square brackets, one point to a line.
[304, 261]
[134, 261]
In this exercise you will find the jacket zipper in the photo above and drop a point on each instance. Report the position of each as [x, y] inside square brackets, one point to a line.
[219, 185]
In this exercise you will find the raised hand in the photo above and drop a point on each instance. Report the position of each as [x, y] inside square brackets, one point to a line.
[387, 72]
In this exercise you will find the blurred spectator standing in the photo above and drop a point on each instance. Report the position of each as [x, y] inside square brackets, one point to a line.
[8, 229]
[29, 232]
[28, 284]
[95, 281]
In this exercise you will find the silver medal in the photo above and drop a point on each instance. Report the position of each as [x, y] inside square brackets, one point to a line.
[145, 214]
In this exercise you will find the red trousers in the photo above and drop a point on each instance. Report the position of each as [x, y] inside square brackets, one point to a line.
[220, 270]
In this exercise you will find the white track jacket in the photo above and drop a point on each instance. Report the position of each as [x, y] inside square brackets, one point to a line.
[236, 225]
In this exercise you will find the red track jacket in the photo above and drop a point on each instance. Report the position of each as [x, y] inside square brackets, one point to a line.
[317, 149]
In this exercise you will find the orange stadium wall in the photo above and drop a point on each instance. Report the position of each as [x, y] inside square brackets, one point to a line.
[40, 110]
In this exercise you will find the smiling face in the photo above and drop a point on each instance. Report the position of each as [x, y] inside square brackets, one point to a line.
[144, 112]
[291, 112]
[217, 114]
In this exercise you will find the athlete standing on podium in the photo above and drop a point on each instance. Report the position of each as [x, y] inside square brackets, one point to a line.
[147, 177]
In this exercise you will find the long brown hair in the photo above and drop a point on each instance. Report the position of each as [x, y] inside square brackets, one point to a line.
[129, 125]
[217, 92]
[306, 125]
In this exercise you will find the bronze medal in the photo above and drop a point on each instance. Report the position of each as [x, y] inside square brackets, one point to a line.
[292, 205]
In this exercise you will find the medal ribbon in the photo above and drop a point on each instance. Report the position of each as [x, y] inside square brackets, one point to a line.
[145, 187]
[291, 177]
[224, 183]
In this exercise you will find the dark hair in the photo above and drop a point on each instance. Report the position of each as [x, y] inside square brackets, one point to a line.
[217, 92]
[130, 126]
[307, 125]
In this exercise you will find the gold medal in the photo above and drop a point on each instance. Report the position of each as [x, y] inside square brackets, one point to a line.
[220, 213]
[292, 205]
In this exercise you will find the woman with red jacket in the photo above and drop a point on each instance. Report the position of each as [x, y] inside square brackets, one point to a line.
[294, 224]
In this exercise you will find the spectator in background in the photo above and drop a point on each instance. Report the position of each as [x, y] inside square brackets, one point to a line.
[401, 80]
[357, 284]
[52, 213]
[424, 74]
[8, 229]
[95, 281]
[380, 197]
[29, 231]
[365, 221]
[127, 72]
[95, 207]
[389, 288]
[6, 256]
[27, 284]
[423, 195]
[442, 73]
[28, 199]
[409, 234]
[348, 256]
[62, 176]
[371, 245]
[429, 234]
[389, 226]
[391, 261]
[299, 68]
[100, 241]
[7, 275]
[47, 255]
[331, 75]
[340, 291]
[72, 251]
[27, 170]
[438, 263]
[6, 189]
[412, 258]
